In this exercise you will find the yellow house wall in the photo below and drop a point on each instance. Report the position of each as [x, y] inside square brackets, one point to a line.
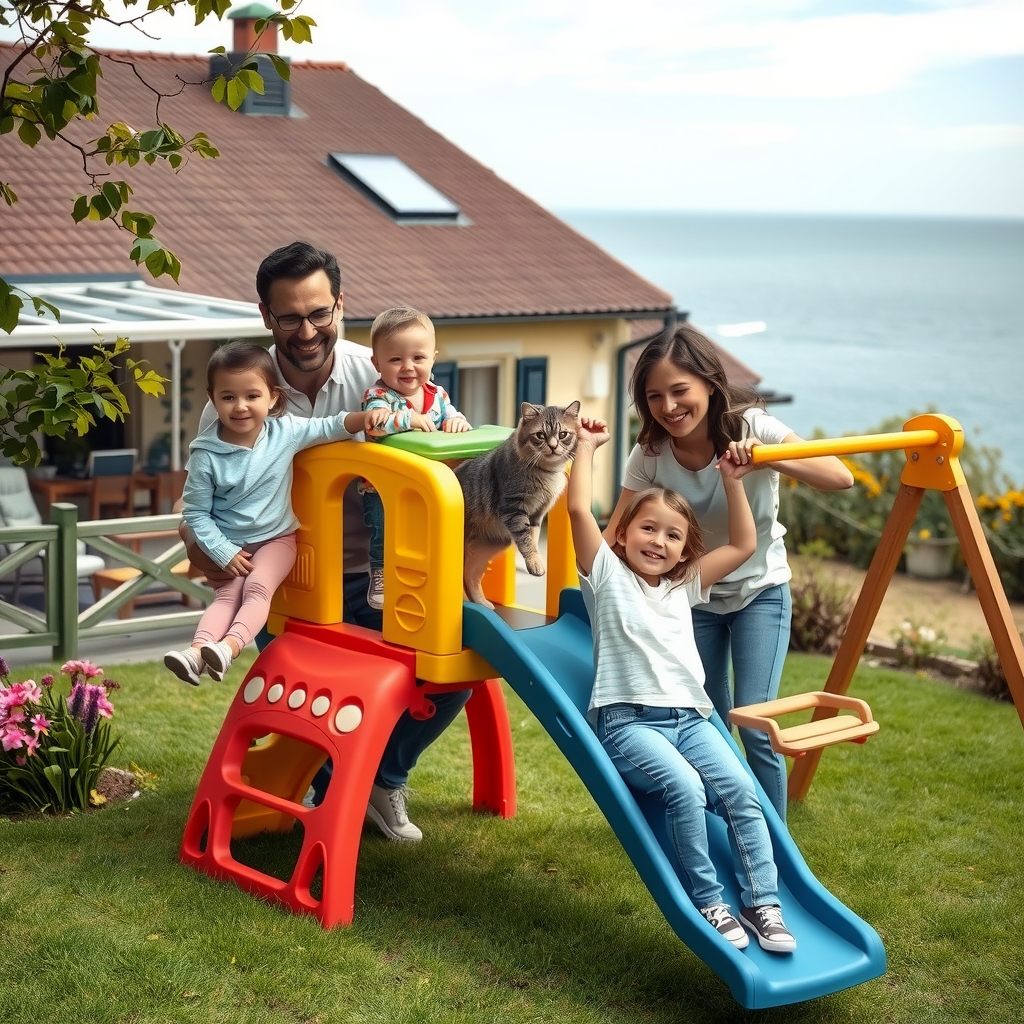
[571, 347]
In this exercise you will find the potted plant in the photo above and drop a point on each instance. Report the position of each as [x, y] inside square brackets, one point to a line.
[932, 545]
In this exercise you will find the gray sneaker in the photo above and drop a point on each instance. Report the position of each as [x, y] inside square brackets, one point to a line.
[187, 665]
[720, 918]
[767, 925]
[387, 811]
[375, 591]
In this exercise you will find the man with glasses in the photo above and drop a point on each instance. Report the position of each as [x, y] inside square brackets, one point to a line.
[299, 288]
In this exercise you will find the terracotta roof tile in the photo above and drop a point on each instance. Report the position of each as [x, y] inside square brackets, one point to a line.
[272, 185]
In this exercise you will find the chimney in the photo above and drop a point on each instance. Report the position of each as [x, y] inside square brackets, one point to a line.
[245, 19]
[276, 100]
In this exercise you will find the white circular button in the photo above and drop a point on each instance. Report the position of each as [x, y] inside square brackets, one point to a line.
[348, 718]
[275, 693]
[253, 689]
[320, 706]
[297, 699]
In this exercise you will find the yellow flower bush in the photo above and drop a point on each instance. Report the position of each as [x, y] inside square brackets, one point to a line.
[851, 521]
[1002, 517]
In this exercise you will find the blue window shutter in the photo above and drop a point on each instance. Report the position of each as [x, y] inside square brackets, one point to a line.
[531, 381]
[446, 375]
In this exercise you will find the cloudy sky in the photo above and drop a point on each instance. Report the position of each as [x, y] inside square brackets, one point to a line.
[862, 106]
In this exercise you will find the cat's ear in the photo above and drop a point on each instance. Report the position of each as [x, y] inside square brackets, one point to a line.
[528, 411]
[574, 409]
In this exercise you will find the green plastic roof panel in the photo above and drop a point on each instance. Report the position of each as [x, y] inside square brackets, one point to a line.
[441, 447]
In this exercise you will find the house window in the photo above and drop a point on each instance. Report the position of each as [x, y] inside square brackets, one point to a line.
[479, 393]
[532, 380]
[446, 375]
[395, 188]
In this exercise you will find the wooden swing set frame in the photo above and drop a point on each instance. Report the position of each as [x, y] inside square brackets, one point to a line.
[932, 443]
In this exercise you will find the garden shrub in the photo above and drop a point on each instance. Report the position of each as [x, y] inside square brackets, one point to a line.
[989, 674]
[821, 609]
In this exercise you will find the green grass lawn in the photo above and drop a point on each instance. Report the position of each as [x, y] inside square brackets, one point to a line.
[541, 918]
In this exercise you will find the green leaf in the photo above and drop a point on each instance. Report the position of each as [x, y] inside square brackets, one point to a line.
[9, 196]
[10, 307]
[81, 209]
[99, 208]
[112, 194]
[218, 89]
[251, 80]
[29, 133]
[236, 93]
[143, 249]
[281, 66]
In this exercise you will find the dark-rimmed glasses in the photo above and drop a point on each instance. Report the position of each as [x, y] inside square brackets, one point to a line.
[292, 321]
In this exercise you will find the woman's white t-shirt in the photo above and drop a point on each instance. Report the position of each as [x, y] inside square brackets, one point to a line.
[644, 651]
[703, 489]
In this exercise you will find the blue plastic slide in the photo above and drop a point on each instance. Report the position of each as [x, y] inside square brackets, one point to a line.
[551, 668]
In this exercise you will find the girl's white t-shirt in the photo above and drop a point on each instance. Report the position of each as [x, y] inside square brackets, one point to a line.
[703, 489]
[644, 651]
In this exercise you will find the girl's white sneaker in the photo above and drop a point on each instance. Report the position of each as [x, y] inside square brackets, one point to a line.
[218, 657]
[187, 665]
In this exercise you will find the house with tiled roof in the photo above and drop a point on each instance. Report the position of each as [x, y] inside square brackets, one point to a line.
[525, 307]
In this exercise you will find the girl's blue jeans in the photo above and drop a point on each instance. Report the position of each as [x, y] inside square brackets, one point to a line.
[679, 757]
[755, 639]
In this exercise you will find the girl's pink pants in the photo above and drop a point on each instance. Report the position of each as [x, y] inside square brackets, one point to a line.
[242, 604]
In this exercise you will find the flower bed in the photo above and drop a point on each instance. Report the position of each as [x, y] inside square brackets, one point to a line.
[56, 738]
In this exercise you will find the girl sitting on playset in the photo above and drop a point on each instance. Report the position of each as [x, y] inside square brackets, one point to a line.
[648, 703]
[238, 499]
[690, 417]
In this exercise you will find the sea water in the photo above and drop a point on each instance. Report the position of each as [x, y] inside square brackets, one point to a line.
[865, 318]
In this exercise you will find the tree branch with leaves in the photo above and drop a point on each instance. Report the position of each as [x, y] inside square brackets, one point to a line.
[48, 88]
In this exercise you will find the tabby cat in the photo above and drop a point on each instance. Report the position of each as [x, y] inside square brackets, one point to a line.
[510, 489]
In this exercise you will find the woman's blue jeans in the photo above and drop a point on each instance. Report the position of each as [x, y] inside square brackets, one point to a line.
[679, 757]
[755, 639]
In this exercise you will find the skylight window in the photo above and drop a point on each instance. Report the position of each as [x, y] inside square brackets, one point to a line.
[395, 187]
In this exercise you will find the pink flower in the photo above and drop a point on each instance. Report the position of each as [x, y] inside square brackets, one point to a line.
[46, 681]
[12, 738]
[40, 723]
[31, 745]
[86, 668]
[105, 708]
[20, 693]
[16, 715]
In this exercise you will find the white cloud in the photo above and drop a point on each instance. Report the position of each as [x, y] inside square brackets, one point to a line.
[973, 136]
[725, 49]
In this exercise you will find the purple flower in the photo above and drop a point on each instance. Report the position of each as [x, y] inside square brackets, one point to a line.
[76, 700]
[46, 681]
[111, 684]
[4, 668]
[92, 708]
[87, 702]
